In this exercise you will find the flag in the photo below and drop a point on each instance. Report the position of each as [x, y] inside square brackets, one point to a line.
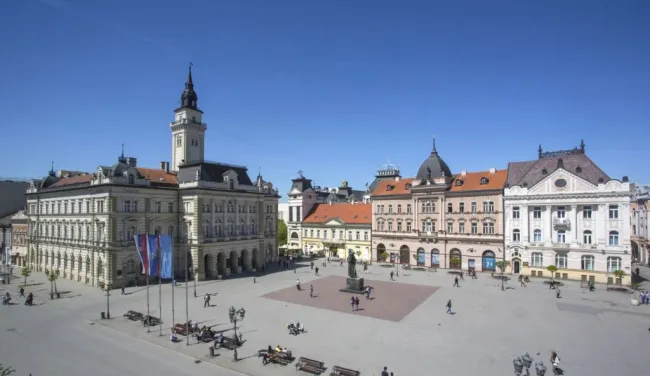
[165, 245]
[154, 257]
[141, 243]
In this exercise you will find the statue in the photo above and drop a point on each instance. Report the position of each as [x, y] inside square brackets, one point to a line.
[352, 265]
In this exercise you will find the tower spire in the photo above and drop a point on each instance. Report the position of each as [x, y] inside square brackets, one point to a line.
[434, 145]
[189, 75]
[189, 99]
[52, 173]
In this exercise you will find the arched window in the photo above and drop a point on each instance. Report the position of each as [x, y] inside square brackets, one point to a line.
[435, 258]
[516, 235]
[587, 262]
[586, 237]
[613, 238]
[420, 257]
[206, 229]
[399, 208]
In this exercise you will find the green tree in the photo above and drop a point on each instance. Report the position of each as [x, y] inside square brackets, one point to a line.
[25, 272]
[552, 269]
[619, 274]
[502, 265]
[52, 277]
[6, 371]
[282, 233]
[383, 256]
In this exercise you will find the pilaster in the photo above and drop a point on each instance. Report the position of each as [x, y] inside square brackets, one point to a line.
[548, 223]
[574, 224]
[524, 217]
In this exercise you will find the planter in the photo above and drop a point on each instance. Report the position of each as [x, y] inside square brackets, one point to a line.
[634, 301]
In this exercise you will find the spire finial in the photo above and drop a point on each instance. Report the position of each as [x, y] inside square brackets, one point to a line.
[582, 146]
[434, 145]
[52, 169]
[189, 76]
[122, 149]
[539, 150]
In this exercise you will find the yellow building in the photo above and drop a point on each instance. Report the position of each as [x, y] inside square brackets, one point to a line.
[337, 229]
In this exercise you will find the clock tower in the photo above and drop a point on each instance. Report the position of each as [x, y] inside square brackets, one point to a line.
[188, 129]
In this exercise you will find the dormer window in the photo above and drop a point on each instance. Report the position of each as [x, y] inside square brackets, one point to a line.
[390, 187]
[578, 169]
[484, 181]
[460, 182]
[544, 171]
[408, 186]
[131, 179]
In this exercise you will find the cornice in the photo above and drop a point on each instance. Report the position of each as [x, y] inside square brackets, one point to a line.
[566, 196]
[494, 192]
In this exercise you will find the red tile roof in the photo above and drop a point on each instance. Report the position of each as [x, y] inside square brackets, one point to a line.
[358, 213]
[158, 176]
[79, 179]
[472, 181]
[393, 187]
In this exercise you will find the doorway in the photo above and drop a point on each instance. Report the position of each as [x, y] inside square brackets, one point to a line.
[515, 266]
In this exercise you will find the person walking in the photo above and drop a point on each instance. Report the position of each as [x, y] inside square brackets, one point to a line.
[22, 292]
[312, 265]
[316, 270]
[356, 303]
[365, 268]
[311, 291]
[298, 284]
[123, 292]
[391, 275]
[461, 275]
[449, 307]
[456, 282]
[352, 302]
[383, 373]
[521, 281]
[367, 292]
[206, 300]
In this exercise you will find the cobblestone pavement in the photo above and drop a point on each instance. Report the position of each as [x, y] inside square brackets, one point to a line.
[595, 333]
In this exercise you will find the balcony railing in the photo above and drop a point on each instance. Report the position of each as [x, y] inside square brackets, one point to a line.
[562, 222]
[561, 245]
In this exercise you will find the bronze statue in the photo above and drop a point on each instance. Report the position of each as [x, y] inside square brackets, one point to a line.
[352, 265]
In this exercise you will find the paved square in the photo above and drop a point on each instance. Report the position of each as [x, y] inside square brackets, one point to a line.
[388, 300]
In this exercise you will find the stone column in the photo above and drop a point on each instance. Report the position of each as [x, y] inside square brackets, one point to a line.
[601, 224]
[548, 224]
[574, 223]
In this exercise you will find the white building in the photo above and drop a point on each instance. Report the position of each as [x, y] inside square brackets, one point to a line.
[640, 224]
[83, 224]
[563, 210]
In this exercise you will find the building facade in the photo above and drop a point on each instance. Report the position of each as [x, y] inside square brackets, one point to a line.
[639, 222]
[12, 200]
[563, 210]
[337, 229]
[303, 196]
[18, 238]
[438, 219]
[222, 222]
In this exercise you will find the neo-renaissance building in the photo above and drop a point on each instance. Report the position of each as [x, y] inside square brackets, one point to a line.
[222, 222]
[563, 210]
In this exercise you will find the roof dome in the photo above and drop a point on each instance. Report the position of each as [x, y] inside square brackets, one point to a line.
[433, 167]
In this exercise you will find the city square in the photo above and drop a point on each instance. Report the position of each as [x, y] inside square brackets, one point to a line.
[488, 329]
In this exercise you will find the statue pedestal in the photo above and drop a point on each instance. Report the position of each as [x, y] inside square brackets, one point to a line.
[354, 285]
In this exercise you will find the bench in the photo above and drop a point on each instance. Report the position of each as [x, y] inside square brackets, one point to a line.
[341, 371]
[150, 321]
[457, 272]
[230, 343]
[134, 315]
[312, 366]
[281, 358]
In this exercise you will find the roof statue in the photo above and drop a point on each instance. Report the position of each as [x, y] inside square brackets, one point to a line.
[344, 184]
[300, 176]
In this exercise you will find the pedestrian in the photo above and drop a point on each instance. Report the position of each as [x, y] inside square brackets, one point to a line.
[311, 291]
[521, 281]
[356, 303]
[456, 282]
[391, 275]
[298, 284]
[312, 265]
[316, 270]
[449, 307]
[206, 300]
[365, 268]
[22, 292]
[461, 275]
[558, 294]
[123, 292]
[341, 262]
[383, 373]
[352, 302]
[367, 292]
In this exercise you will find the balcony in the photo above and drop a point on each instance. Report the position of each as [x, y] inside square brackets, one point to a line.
[563, 223]
[334, 241]
[427, 236]
[561, 245]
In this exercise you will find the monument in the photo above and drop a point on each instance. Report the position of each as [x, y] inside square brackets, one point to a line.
[353, 284]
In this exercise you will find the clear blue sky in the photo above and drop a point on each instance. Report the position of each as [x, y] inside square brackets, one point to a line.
[334, 88]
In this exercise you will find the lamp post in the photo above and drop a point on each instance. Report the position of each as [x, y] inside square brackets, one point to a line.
[235, 316]
[108, 302]
[195, 272]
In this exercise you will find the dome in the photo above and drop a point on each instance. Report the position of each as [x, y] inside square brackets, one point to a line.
[433, 167]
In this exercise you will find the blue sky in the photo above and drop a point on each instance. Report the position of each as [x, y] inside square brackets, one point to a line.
[334, 88]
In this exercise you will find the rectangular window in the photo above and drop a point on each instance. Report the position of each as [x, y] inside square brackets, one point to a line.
[537, 236]
[561, 260]
[474, 228]
[170, 207]
[100, 206]
[587, 262]
[399, 226]
[586, 212]
[399, 209]
[365, 235]
[537, 212]
[561, 236]
[409, 227]
[488, 206]
[134, 206]
[318, 233]
[461, 227]
[349, 235]
[390, 226]
[613, 211]
[358, 235]
[461, 207]
[561, 212]
[473, 207]
[450, 227]
[72, 208]
[341, 234]
[157, 207]
[515, 212]
[488, 228]
[408, 209]
[450, 207]
[537, 259]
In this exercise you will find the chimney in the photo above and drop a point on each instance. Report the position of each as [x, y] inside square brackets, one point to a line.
[396, 178]
[463, 173]
[493, 170]
[164, 166]
[131, 161]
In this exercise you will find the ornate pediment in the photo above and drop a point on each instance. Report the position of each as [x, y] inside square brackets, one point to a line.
[562, 181]
[335, 222]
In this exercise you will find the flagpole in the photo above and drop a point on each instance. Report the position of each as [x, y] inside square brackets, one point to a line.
[147, 273]
[187, 310]
[160, 285]
[171, 244]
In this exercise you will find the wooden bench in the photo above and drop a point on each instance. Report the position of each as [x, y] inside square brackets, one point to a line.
[183, 329]
[150, 321]
[230, 343]
[134, 315]
[341, 371]
[281, 358]
[312, 366]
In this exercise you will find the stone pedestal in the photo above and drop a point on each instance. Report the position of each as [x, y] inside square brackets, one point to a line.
[354, 285]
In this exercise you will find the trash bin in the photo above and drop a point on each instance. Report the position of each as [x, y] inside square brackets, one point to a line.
[212, 351]
[103, 316]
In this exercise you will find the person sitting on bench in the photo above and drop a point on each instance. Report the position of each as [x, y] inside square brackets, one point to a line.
[173, 336]
[299, 327]
[278, 348]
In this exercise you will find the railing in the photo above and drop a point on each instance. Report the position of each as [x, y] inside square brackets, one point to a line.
[562, 222]
[561, 245]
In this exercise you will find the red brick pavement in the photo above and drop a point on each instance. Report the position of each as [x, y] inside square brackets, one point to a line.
[390, 300]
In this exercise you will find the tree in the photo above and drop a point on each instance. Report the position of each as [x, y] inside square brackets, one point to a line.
[502, 265]
[619, 274]
[552, 269]
[52, 277]
[6, 371]
[25, 272]
[282, 233]
[383, 255]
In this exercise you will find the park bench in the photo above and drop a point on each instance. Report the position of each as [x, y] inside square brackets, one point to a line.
[283, 358]
[150, 321]
[341, 371]
[134, 315]
[420, 268]
[312, 366]
[230, 343]
[183, 329]
[457, 272]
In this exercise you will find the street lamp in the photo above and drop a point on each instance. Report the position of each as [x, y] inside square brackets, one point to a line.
[519, 366]
[540, 369]
[235, 316]
[195, 272]
[108, 302]
[528, 361]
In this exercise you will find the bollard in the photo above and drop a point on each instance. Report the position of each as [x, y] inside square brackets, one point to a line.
[254, 280]
[211, 351]
[103, 316]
